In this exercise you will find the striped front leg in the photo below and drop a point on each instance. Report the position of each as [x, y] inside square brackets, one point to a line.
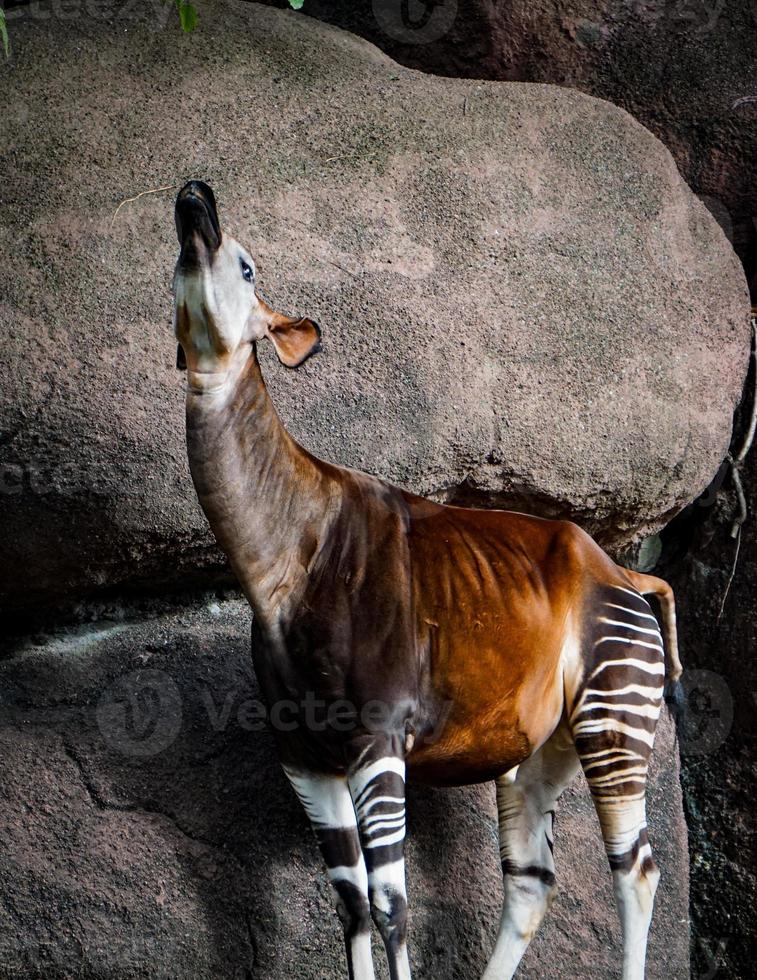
[328, 804]
[377, 785]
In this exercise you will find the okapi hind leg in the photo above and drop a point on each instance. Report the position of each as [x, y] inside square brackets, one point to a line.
[526, 802]
[328, 804]
[377, 784]
[613, 722]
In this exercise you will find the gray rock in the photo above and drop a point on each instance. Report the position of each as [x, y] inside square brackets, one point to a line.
[146, 831]
[686, 70]
[522, 303]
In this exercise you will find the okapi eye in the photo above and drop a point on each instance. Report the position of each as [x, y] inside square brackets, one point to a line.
[246, 270]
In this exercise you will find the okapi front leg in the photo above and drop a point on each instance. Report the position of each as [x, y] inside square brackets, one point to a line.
[328, 804]
[377, 785]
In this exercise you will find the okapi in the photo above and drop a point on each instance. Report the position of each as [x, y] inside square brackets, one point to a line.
[537, 651]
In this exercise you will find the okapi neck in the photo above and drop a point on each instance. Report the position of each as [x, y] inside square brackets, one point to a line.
[269, 502]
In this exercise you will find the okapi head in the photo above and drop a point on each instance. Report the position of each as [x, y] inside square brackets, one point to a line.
[218, 315]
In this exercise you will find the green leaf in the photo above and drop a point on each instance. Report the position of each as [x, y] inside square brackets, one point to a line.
[187, 16]
[296, 4]
[4, 34]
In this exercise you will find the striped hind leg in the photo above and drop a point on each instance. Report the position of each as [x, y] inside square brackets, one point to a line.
[328, 804]
[526, 802]
[613, 723]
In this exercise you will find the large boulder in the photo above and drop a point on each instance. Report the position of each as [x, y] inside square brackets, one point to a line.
[146, 830]
[686, 70]
[522, 302]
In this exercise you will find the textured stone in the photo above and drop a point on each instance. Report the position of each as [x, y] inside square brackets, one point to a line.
[522, 302]
[717, 612]
[686, 70]
[147, 831]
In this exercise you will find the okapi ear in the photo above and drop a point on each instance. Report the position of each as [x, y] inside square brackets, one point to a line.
[295, 339]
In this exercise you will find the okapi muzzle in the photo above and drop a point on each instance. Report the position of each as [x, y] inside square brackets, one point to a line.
[219, 316]
[199, 233]
[514, 648]
[196, 221]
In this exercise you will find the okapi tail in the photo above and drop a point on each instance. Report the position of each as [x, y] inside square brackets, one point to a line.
[673, 693]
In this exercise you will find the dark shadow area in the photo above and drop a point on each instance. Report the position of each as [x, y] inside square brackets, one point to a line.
[714, 579]
[146, 829]
[142, 793]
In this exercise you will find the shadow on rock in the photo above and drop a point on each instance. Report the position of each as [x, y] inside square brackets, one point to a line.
[146, 830]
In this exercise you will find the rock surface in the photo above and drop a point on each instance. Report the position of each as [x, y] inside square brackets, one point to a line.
[686, 70]
[522, 302]
[146, 831]
[717, 610]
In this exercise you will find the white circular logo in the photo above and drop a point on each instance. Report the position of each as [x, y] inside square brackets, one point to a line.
[415, 21]
[140, 714]
[708, 712]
